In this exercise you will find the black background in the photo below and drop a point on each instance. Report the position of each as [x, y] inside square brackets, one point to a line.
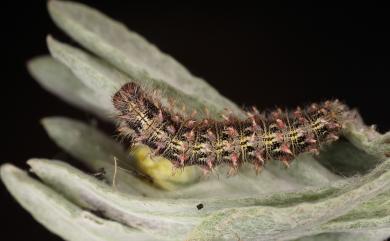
[263, 56]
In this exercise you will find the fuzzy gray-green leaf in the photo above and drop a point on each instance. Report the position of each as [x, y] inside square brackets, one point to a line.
[105, 80]
[58, 79]
[363, 149]
[132, 54]
[100, 78]
[144, 213]
[91, 194]
[61, 216]
[73, 182]
[268, 223]
[346, 236]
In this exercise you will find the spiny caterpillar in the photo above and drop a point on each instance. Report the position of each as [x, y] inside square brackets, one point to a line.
[207, 143]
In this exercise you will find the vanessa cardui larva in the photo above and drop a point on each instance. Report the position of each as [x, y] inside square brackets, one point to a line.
[207, 143]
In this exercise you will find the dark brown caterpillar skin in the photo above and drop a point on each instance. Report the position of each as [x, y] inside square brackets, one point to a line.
[207, 143]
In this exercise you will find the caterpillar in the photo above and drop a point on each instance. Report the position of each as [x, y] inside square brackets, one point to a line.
[186, 141]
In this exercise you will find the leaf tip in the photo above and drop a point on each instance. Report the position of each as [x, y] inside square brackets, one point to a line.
[8, 173]
[50, 40]
[33, 163]
[6, 169]
[53, 5]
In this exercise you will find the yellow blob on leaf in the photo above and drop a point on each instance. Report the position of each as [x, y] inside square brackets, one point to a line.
[161, 170]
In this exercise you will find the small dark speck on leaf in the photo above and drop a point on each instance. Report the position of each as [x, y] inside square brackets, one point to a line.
[199, 206]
